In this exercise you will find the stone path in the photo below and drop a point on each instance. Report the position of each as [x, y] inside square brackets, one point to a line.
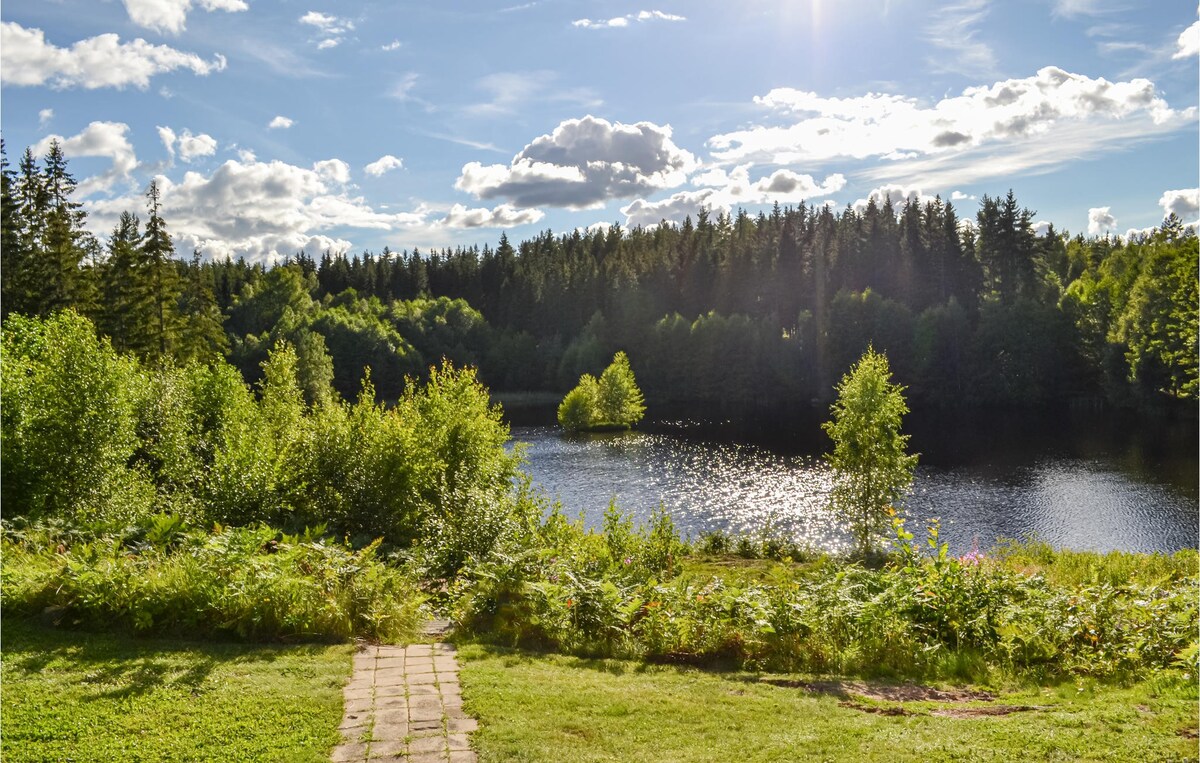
[403, 704]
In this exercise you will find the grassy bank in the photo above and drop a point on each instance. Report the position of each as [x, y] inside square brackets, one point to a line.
[99, 697]
[537, 707]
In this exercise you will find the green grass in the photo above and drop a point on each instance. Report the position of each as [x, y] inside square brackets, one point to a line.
[535, 707]
[76, 696]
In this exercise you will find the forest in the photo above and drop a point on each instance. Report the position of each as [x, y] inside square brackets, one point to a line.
[744, 310]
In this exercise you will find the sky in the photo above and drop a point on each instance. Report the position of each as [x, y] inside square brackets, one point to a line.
[276, 127]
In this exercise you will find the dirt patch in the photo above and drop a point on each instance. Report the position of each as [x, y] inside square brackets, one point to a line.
[885, 693]
[983, 712]
[874, 708]
[1189, 733]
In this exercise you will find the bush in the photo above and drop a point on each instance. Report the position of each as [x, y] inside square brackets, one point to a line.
[248, 583]
[613, 402]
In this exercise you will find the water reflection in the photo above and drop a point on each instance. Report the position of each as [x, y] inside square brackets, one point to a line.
[1085, 503]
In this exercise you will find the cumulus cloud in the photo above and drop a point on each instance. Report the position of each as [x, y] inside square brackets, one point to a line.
[385, 163]
[103, 139]
[672, 209]
[101, 61]
[1188, 44]
[1037, 121]
[334, 170]
[280, 123]
[503, 216]
[171, 15]
[729, 190]
[1100, 221]
[330, 29]
[1185, 203]
[393, 45]
[583, 163]
[620, 22]
[44, 117]
[189, 146]
[899, 196]
[263, 211]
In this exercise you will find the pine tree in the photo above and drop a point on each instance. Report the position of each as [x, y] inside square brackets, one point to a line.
[62, 283]
[127, 309]
[163, 280]
[11, 254]
[203, 337]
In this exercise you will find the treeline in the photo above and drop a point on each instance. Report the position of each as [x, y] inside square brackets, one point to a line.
[740, 309]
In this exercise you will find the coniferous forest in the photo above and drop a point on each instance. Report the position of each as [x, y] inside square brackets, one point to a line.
[974, 307]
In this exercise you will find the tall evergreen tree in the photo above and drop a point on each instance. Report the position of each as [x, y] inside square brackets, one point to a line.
[163, 284]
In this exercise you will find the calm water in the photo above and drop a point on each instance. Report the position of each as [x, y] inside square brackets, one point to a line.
[1075, 482]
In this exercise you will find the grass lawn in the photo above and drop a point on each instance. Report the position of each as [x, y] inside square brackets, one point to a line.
[72, 696]
[534, 707]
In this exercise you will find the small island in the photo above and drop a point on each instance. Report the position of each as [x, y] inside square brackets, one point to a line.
[611, 403]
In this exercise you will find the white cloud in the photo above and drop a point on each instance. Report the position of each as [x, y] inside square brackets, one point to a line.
[171, 15]
[1042, 107]
[1185, 203]
[960, 196]
[246, 155]
[729, 190]
[393, 45]
[583, 163]
[1035, 124]
[101, 61]
[623, 21]
[330, 28]
[280, 123]
[193, 146]
[190, 146]
[1100, 221]
[44, 117]
[1041, 226]
[262, 211]
[899, 196]
[385, 163]
[673, 209]
[503, 216]
[334, 170]
[510, 91]
[1188, 44]
[955, 31]
[104, 139]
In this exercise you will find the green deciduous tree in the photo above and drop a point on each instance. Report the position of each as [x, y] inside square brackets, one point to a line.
[871, 465]
[612, 402]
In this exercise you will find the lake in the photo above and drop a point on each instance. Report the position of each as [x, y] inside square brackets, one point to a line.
[1095, 481]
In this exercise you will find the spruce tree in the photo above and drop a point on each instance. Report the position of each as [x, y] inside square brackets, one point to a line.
[203, 337]
[163, 280]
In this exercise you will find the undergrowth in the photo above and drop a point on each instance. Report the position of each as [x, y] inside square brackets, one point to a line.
[249, 583]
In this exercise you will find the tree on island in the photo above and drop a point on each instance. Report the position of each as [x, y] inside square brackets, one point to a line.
[871, 467]
[612, 402]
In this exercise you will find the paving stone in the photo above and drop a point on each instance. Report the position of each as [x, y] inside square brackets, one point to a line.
[354, 720]
[391, 716]
[421, 678]
[387, 748]
[389, 690]
[355, 735]
[418, 650]
[390, 651]
[458, 742]
[463, 756]
[389, 675]
[453, 707]
[423, 726]
[352, 694]
[445, 663]
[428, 757]
[357, 706]
[390, 703]
[390, 662]
[345, 753]
[461, 725]
[427, 744]
[389, 732]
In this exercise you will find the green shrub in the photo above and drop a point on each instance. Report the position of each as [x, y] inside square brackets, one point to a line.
[249, 583]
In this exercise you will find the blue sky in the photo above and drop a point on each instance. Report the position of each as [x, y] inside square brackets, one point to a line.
[313, 124]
